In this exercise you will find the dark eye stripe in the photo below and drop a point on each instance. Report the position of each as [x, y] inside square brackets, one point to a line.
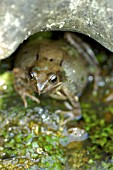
[61, 62]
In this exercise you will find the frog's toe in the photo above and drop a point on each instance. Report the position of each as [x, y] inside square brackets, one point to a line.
[108, 98]
[72, 115]
[24, 101]
[78, 117]
[32, 97]
[77, 114]
[26, 94]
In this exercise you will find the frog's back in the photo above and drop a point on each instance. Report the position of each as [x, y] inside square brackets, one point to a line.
[26, 55]
[32, 51]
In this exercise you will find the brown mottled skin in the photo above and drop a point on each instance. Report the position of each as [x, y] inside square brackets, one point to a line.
[56, 67]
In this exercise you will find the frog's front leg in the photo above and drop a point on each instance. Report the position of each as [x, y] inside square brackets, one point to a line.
[22, 86]
[71, 103]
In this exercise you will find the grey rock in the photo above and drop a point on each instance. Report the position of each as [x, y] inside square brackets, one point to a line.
[20, 19]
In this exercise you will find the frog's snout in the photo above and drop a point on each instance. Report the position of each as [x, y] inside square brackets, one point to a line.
[40, 88]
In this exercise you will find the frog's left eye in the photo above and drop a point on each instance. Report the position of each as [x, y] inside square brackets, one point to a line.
[53, 78]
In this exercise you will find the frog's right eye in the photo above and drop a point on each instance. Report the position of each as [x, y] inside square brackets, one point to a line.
[31, 75]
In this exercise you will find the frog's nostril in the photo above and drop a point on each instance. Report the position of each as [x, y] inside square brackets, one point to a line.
[40, 88]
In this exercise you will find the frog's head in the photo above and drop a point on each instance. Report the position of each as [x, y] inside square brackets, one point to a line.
[44, 80]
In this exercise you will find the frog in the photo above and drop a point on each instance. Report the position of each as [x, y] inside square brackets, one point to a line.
[58, 68]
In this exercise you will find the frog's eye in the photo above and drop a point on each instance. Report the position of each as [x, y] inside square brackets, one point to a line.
[31, 75]
[53, 78]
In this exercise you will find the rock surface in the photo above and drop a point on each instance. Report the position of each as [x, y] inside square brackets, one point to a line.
[20, 19]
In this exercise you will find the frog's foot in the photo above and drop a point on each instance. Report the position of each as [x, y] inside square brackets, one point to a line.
[76, 110]
[72, 114]
[26, 94]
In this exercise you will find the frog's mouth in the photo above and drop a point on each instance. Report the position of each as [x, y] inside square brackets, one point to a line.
[53, 88]
[47, 88]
